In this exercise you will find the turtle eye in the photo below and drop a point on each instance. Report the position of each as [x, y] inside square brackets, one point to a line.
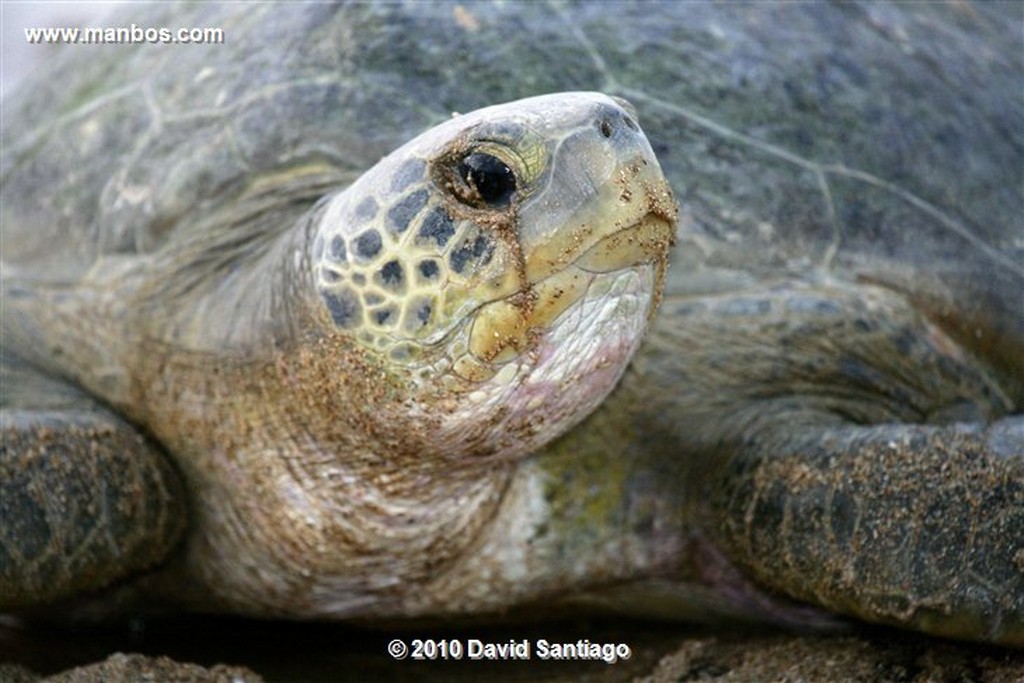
[489, 179]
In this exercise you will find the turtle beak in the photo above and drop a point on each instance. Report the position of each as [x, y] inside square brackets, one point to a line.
[622, 217]
[623, 213]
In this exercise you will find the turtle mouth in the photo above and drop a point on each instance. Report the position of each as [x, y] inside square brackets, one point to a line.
[505, 329]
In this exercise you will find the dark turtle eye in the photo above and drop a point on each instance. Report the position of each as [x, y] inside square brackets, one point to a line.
[489, 178]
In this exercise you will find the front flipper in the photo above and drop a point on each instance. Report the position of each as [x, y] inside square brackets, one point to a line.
[917, 526]
[85, 500]
[844, 451]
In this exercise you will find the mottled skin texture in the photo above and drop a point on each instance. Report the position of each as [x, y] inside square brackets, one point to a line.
[338, 464]
[828, 407]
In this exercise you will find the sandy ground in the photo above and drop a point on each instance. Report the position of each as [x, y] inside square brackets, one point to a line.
[231, 650]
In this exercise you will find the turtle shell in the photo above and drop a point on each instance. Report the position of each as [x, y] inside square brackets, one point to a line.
[861, 141]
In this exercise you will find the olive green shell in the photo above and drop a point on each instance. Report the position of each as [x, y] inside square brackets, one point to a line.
[869, 141]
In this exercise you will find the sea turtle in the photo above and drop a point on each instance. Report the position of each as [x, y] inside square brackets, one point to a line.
[263, 356]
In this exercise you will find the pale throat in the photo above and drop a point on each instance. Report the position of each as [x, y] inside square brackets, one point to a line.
[552, 385]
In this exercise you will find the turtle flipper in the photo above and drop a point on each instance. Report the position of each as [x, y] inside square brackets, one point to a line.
[846, 452]
[919, 526]
[85, 499]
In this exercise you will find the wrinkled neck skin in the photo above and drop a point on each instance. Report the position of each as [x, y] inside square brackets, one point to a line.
[328, 483]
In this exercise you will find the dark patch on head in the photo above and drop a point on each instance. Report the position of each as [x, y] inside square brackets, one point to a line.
[423, 312]
[408, 173]
[368, 244]
[330, 275]
[480, 250]
[366, 210]
[402, 213]
[337, 252]
[429, 269]
[437, 226]
[343, 307]
[359, 279]
[372, 298]
[417, 314]
[401, 352]
[385, 316]
[391, 274]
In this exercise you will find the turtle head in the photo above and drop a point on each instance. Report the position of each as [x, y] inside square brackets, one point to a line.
[511, 256]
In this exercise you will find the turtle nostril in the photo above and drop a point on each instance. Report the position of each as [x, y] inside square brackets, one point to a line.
[614, 121]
